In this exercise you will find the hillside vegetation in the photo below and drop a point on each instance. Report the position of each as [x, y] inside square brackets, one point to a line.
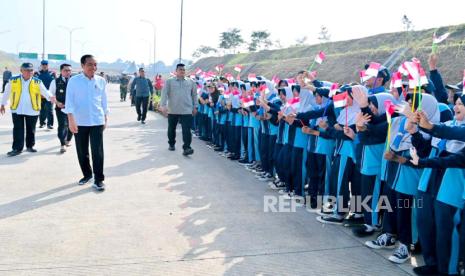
[345, 58]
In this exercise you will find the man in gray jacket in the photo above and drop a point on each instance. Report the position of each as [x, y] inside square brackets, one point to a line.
[179, 101]
[144, 89]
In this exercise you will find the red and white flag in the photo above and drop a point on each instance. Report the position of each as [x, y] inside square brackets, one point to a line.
[340, 100]
[198, 71]
[440, 39]
[293, 104]
[229, 76]
[236, 91]
[373, 69]
[423, 77]
[320, 57]
[238, 68]
[363, 76]
[252, 77]
[173, 74]
[219, 67]
[264, 89]
[227, 94]
[275, 79]
[390, 109]
[333, 89]
[290, 81]
[396, 80]
[247, 101]
[313, 74]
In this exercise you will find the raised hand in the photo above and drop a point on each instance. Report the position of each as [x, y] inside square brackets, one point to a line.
[414, 155]
[360, 96]
[423, 120]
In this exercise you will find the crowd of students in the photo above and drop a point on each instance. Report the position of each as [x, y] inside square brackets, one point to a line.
[375, 142]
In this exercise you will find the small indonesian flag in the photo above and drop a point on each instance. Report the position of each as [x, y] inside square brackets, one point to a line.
[363, 76]
[340, 100]
[412, 82]
[252, 77]
[313, 74]
[247, 101]
[440, 39]
[219, 67]
[264, 89]
[198, 71]
[275, 79]
[333, 89]
[293, 104]
[390, 109]
[229, 76]
[227, 94]
[238, 68]
[320, 57]
[290, 81]
[236, 92]
[410, 68]
[396, 80]
[199, 89]
[423, 77]
[373, 69]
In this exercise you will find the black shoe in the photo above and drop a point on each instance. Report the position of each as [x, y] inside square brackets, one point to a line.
[426, 270]
[171, 148]
[41, 126]
[364, 230]
[138, 118]
[99, 186]
[13, 153]
[142, 122]
[188, 151]
[50, 127]
[218, 149]
[31, 150]
[354, 220]
[84, 180]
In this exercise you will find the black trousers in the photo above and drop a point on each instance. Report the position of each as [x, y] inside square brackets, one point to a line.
[142, 103]
[4, 84]
[46, 113]
[94, 135]
[186, 123]
[19, 121]
[63, 132]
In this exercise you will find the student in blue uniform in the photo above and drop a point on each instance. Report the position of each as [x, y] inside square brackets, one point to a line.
[376, 85]
[221, 113]
[254, 138]
[245, 87]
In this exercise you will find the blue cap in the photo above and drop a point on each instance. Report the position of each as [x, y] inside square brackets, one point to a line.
[27, 66]
[44, 62]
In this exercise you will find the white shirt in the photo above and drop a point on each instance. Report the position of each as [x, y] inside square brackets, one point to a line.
[25, 104]
[86, 100]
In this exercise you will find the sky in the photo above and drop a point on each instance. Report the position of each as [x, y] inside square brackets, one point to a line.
[112, 29]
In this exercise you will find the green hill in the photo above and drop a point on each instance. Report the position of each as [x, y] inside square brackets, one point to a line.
[345, 58]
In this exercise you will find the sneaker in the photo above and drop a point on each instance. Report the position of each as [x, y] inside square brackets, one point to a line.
[68, 143]
[382, 241]
[49, 127]
[13, 153]
[142, 122]
[218, 149]
[331, 219]
[276, 187]
[41, 126]
[62, 149]
[32, 150]
[354, 219]
[99, 186]
[283, 192]
[84, 180]
[171, 148]
[426, 270]
[266, 177]
[400, 255]
[188, 151]
[364, 230]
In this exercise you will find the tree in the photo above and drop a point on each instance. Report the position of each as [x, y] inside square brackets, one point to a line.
[324, 35]
[231, 39]
[203, 50]
[408, 26]
[301, 41]
[259, 40]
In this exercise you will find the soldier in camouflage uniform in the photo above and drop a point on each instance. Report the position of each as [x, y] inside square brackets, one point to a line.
[123, 87]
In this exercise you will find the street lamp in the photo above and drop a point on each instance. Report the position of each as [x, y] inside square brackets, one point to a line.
[150, 47]
[180, 33]
[70, 30]
[154, 41]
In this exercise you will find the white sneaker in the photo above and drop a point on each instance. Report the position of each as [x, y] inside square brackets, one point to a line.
[401, 254]
[385, 240]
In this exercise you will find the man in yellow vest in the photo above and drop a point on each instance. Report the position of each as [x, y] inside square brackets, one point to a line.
[24, 93]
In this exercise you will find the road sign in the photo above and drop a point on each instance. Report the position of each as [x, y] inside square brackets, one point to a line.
[28, 55]
[56, 57]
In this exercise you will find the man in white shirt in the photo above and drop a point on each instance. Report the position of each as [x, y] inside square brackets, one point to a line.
[24, 93]
[86, 106]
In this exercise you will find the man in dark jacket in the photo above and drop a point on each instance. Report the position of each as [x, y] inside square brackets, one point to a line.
[6, 77]
[46, 112]
[144, 89]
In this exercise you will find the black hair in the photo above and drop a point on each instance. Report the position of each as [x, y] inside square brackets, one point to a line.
[85, 57]
[283, 81]
[242, 86]
[282, 91]
[296, 87]
[180, 65]
[62, 66]
[372, 99]
[300, 72]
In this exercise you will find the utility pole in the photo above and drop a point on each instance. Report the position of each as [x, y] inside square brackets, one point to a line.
[180, 33]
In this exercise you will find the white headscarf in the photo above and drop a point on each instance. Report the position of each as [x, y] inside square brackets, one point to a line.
[381, 98]
[307, 100]
[430, 107]
[452, 146]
